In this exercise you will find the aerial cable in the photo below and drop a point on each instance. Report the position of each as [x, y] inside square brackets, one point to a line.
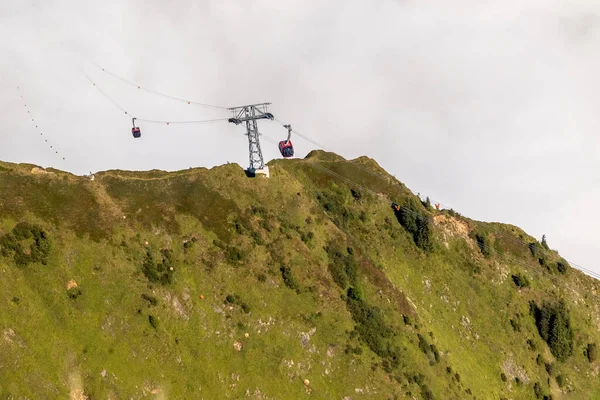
[576, 266]
[149, 120]
[36, 126]
[104, 94]
[167, 96]
[205, 121]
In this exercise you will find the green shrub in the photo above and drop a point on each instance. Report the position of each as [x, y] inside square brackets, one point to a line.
[416, 224]
[153, 321]
[554, 326]
[537, 390]
[342, 266]
[520, 280]
[484, 244]
[333, 202]
[288, 278]
[562, 266]
[23, 234]
[549, 368]
[354, 294]
[237, 300]
[150, 299]
[427, 203]
[544, 243]
[560, 381]
[515, 325]
[158, 272]
[234, 255]
[592, 352]
[503, 377]
[371, 326]
[74, 293]
[536, 250]
[307, 237]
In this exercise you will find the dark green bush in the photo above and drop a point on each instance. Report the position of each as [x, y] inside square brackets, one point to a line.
[503, 377]
[539, 360]
[544, 243]
[560, 381]
[150, 299]
[418, 225]
[370, 326]
[515, 325]
[592, 352]
[484, 244]
[355, 294]
[23, 234]
[153, 321]
[288, 278]
[334, 203]
[537, 390]
[520, 280]
[562, 266]
[342, 266]
[74, 293]
[307, 237]
[234, 255]
[158, 272]
[427, 203]
[549, 368]
[237, 300]
[536, 249]
[554, 326]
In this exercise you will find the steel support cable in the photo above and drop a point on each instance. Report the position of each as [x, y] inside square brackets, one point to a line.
[167, 96]
[505, 235]
[150, 120]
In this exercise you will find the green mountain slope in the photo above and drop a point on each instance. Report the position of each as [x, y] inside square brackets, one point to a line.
[205, 284]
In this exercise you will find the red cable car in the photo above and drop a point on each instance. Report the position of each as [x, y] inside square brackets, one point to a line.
[135, 131]
[285, 146]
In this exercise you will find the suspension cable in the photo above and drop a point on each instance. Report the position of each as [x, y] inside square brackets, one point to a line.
[167, 96]
[149, 120]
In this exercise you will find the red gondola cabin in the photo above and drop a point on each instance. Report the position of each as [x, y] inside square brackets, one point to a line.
[286, 148]
[135, 131]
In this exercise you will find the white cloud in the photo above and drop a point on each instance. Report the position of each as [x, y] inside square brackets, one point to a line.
[490, 106]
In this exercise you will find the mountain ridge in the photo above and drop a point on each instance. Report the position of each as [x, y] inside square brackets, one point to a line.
[156, 277]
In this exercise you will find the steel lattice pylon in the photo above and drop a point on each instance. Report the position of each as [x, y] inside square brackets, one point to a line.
[250, 114]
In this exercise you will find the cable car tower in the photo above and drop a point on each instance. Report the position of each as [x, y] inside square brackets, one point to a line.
[250, 114]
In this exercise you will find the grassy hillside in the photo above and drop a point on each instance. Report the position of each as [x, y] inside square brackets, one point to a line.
[205, 284]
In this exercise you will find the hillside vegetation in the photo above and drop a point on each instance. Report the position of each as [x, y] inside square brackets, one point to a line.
[205, 284]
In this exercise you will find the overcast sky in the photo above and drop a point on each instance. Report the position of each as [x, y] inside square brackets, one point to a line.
[489, 107]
